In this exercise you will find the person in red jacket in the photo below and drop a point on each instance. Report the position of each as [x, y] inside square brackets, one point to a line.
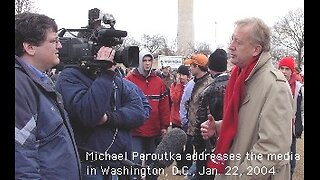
[147, 137]
[176, 91]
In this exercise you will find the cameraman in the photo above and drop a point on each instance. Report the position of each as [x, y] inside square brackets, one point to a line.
[103, 110]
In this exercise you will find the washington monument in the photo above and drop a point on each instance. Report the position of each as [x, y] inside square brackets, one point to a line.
[185, 35]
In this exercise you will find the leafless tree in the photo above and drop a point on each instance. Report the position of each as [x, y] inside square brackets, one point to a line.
[288, 33]
[170, 48]
[167, 51]
[278, 52]
[203, 47]
[24, 6]
[130, 41]
[154, 43]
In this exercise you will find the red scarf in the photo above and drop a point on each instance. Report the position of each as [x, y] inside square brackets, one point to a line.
[292, 81]
[232, 100]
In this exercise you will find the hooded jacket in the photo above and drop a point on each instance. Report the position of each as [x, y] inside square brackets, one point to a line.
[155, 90]
[140, 68]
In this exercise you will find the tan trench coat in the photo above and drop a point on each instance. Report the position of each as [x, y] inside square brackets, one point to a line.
[264, 127]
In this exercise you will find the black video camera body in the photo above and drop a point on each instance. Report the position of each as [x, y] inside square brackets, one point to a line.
[81, 49]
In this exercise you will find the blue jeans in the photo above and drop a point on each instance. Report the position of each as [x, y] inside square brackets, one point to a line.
[191, 174]
[144, 145]
[189, 150]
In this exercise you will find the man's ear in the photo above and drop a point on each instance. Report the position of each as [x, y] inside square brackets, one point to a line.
[29, 48]
[257, 50]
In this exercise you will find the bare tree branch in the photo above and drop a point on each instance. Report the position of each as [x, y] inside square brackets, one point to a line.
[288, 36]
[24, 6]
[154, 43]
[203, 47]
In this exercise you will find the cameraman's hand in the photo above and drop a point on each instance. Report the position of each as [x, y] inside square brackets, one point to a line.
[106, 54]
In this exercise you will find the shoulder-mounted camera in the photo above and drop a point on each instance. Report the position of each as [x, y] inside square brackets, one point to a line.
[79, 46]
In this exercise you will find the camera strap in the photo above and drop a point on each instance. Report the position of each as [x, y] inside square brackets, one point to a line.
[92, 75]
[115, 90]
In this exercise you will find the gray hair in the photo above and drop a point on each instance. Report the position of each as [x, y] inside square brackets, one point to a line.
[261, 33]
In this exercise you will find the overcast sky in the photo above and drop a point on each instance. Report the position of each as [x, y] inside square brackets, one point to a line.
[160, 16]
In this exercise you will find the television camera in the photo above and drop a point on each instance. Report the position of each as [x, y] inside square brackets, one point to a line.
[80, 49]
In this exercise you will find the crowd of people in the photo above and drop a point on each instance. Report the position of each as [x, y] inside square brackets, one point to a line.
[237, 117]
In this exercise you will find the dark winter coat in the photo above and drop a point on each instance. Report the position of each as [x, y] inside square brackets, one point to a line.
[44, 144]
[211, 99]
[88, 98]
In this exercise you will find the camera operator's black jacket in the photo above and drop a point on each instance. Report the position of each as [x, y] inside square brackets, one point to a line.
[87, 100]
[211, 98]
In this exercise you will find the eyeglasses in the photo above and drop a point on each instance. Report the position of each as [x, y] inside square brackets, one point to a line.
[55, 41]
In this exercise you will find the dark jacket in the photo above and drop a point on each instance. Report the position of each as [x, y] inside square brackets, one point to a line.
[194, 102]
[211, 99]
[44, 144]
[88, 99]
[299, 108]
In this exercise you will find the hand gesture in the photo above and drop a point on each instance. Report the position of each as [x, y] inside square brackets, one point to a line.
[208, 128]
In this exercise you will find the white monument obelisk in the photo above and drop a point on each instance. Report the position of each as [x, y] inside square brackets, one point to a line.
[185, 34]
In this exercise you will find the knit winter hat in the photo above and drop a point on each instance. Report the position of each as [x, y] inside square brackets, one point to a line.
[183, 70]
[218, 60]
[289, 62]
